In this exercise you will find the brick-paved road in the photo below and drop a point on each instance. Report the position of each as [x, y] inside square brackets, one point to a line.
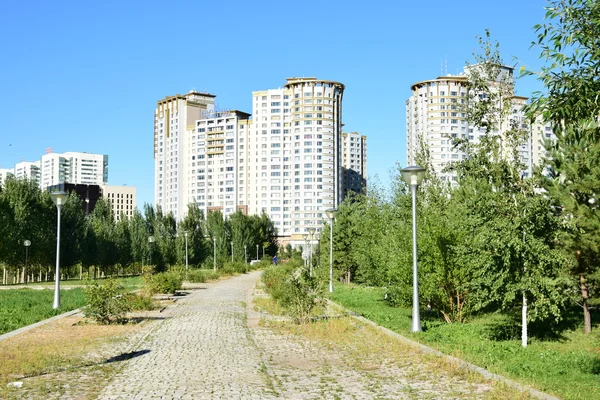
[212, 347]
[203, 351]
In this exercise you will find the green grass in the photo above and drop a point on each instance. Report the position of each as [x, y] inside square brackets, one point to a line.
[566, 364]
[129, 283]
[22, 307]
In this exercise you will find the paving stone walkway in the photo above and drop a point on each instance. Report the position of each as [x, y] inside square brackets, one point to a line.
[212, 347]
[205, 350]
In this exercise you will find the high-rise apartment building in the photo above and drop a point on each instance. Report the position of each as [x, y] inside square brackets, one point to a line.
[4, 174]
[122, 200]
[28, 170]
[73, 167]
[285, 161]
[435, 116]
[354, 163]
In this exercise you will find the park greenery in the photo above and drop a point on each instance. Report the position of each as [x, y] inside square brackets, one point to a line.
[498, 240]
[97, 246]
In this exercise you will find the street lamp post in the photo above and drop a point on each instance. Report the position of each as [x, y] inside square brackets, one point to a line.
[305, 250]
[413, 175]
[26, 243]
[186, 252]
[245, 254]
[232, 251]
[331, 214]
[214, 254]
[256, 252]
[263, 251]
[59, 198]
[150, 241]
[311, 230]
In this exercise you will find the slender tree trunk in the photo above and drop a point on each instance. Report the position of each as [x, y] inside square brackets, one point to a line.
[585, 295]
[524, 321]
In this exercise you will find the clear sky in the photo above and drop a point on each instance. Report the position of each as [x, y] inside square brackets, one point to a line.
[85, 76]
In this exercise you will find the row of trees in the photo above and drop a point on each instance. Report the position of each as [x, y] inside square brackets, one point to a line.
[102, 246]
[499, 240]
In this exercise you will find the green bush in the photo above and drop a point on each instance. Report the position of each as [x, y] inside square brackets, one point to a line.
[140, 302]
[105, 305]
[164, 282]
[201, 276]
[236, 267]
[292, 288]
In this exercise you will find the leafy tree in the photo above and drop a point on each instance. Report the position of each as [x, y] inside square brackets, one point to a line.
[193, 224]
[569, 41]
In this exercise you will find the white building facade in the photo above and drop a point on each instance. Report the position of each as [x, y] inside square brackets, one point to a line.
[122, 200]
[4, 174]
[29, 170]
[73, 167]
[354, 163]
[285, 161]
[435, 116]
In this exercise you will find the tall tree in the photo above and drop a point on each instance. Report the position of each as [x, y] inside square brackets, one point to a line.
[569, 40]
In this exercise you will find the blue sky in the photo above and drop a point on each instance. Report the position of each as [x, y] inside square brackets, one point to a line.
[85, 76]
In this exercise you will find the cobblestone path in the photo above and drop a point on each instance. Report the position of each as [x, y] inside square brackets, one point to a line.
[203, 351]
[212, 346]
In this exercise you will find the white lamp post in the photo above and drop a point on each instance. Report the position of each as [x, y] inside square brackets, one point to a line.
[310, 255]
[305, 250]
[26, 243]
[150, 241]
[256, 252]
[413, 175]
[245, 254]
[232, 251]
[331, 214]
[59, 198]
[186, 252]
[214, 254]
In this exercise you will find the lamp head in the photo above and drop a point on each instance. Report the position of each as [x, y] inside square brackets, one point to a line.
[27, 243]
[331, 213]
[150, 239]
[311, 230]
[59, 197]
[413, 175]
[185, 233]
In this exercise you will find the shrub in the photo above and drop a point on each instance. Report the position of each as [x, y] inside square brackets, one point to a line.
[140, 302]
[164, 282]
[236, 267]
[105, 305]
[196, 276]
[294, 290]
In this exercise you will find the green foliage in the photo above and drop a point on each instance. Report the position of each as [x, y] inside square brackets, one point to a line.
[567, 366]
[163, 282]
[569, 41]
[105, 304]
[22, 307]
[292, 288]
[140, 301]
[236, 267]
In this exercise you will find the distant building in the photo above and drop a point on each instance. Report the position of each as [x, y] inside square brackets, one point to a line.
[89, 194]
[434, 116]
[354, 163]
[73, 167]
[122, 200]
[4, 174]
[286, 161]
[28, 170]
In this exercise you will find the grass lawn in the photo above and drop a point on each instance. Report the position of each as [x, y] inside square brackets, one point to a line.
[565, 364]
[130, 283]
[22, 307]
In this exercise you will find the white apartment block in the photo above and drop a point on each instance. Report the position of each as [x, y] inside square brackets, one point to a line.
[4, 174]
[195, 155]
[294, 156]
[28, 170]
[286, 161]
[354, 163]
[434, 117]
[73, 167]
[122, 200]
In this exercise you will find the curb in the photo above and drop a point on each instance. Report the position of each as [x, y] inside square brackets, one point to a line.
[461, 363]
[40, 323]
